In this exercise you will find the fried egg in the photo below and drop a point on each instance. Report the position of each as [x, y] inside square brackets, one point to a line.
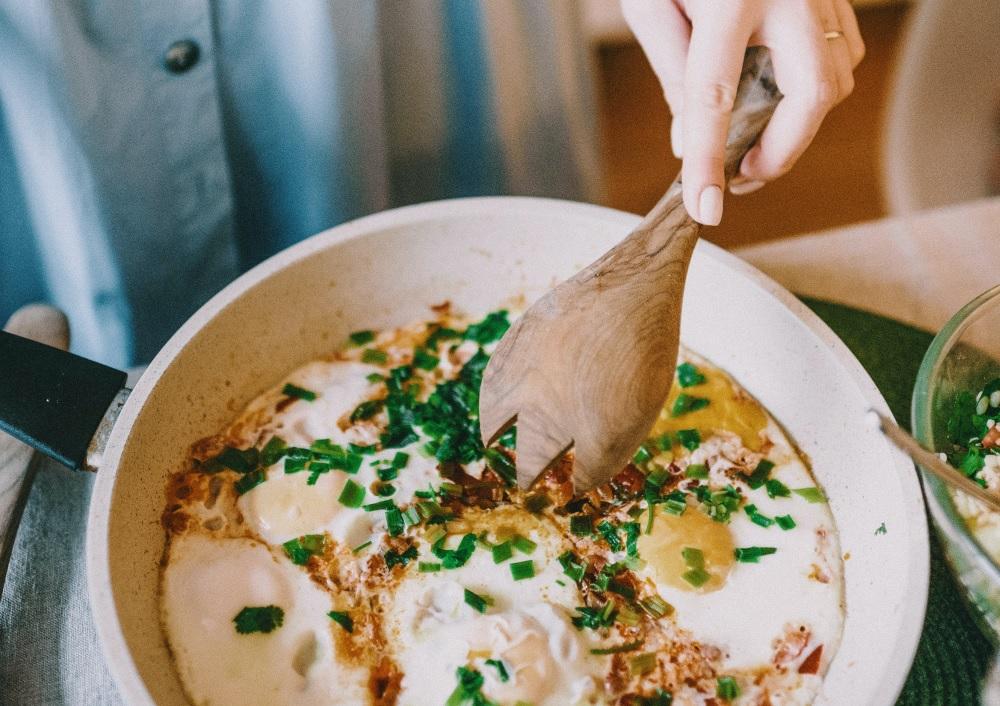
[355, 497]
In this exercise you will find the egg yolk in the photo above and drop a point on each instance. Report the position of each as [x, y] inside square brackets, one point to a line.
[728, 409]
[663, 547]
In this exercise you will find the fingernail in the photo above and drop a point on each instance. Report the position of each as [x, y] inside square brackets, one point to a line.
[710, 206]
[675, 138]
[741, 185]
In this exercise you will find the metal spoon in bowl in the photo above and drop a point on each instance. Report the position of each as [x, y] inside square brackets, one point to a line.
[929, 461]
[590, 364]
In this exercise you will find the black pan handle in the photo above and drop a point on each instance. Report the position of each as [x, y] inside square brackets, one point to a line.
[53, 400]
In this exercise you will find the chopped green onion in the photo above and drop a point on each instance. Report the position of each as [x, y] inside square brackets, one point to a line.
[428, 566]
[687, 403]
[361, 546]
[760, 474]
[366, 410]
[642, 664]
[502, 552]
[360, 338]
[776, 489]
[523, 544]
[424, 360]
[501, 669]
[727, 688]
[374, 378]
[374, 356]
[688, 375]
[656, 606]
[273, 451]
[363, 450]
[641, 456]
[581, 525]
[785, 522]
[813, 495]
[500, 464]
[249, 481]
[631, 538]
[454, 558]
[694, 558]
[239, 460]
[411, 516]
[751, 555]
[352, 495]
[690, 439]
[696, 470]
[394, 521]
[380, 505]
[664, 442]
[572, 566]
[756, 517]
[536, 502]
[624, 647]
[259, 619]
[342, 619]
[392, 557]
[492, 328]
[387, 474]
[301, 393]
[520, 570]
[607, 530]
[478, 603]
[301, 548]
[696, 577]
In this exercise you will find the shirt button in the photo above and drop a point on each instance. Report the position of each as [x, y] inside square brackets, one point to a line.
[181, 56]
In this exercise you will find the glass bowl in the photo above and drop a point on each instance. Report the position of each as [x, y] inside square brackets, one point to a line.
[964, 356]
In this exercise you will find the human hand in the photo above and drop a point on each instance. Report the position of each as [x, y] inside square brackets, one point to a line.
[696, 48]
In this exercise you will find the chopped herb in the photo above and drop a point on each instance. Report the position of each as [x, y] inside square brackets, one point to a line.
[361, 546]
[523, 544]
[342, 619]
[374, 356]
[642, 664]
[470, 682]
[502, 552]
[687, 403]
[696, 577]
[366, 410]
[631, 538]
[500, 464]
[249, 481]
[392, 557]
[377, 506]
[785, 522]
[757, 518]
[360, 338]
[751, 555]
[642, 456]
[259, 619]
[239, 460]
[424, 360]
[301, 393]
[353, 495]
[617, 649]
[662, 697]
[581, 525]
[727, 688]
[490, 329]
[383, 489]
[411, 515]
[719, 504]
[520, 570]
[273, 451]
[690, 439]
[478, 603]
[881, 529]
[454, 558]
[972, 462]
[400, 459]
[394, 521]
[776, 489]
[502, 674]
[300, 549]
[594, 618]
[572, 566]
[374, 378]
[688, 375]
[428, 566]
[656, 606]
[693, 557]
[760, 474]
[696, 470]
[440, 334]
[607, 530]
[813, 495]
[509, 438]
[386, 474]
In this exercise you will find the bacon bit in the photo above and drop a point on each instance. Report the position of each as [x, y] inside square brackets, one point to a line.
[207, 448]
[618, 675]
[442, 309]
[628, 482]
[284, 403]
[788, 647]
[176, 522]
[810, 665]
[992, 438]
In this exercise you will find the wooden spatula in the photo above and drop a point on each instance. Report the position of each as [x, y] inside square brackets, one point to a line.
[589, 365]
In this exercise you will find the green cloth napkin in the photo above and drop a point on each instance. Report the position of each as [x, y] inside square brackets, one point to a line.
[953, 655]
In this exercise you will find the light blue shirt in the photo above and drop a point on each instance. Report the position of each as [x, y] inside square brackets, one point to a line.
[129, 194]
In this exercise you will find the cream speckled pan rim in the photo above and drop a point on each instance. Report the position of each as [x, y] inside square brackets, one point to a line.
[905, 622]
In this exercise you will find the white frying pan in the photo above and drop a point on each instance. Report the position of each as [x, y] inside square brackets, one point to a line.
[386, 270]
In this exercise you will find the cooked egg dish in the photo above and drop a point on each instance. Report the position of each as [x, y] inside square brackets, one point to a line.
[349, 540]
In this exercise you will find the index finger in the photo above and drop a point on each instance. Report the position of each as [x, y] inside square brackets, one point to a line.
[715, 61]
